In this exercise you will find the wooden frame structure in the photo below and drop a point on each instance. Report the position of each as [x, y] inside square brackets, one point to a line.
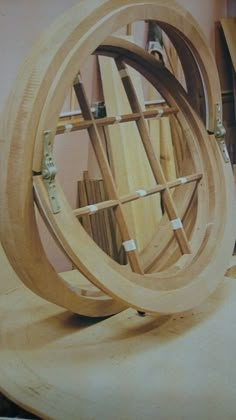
[33, 110]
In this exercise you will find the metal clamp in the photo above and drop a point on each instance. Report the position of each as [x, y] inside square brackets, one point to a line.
[49, 171]
[220, 133]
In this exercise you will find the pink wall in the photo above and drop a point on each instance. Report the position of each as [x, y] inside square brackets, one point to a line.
[231, 7]
[206, 12]
[21, 21]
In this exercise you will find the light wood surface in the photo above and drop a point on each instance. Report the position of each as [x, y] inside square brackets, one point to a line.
[166, 150]
[62, 366]
[130, 165]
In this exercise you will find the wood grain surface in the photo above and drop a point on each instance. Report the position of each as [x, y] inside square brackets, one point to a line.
[58, 365]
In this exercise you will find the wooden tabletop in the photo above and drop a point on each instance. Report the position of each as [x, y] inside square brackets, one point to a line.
[62, 366]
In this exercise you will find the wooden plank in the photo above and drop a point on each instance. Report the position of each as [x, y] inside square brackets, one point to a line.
[130, 165]
[167, 157]
[155, 136]
[82, 201]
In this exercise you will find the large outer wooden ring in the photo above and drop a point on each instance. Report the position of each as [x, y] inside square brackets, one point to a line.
[39, 73]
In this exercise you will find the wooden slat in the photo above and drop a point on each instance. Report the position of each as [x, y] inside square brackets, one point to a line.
[164, 153]
[83, 202]
[136, 195]
[154, 163]
[105, 170]
[80, 124]
[167, 158]
[154, 128]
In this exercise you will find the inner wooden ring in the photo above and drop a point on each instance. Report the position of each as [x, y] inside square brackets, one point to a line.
[154, 281]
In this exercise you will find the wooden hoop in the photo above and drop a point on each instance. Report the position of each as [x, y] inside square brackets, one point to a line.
[74, 249]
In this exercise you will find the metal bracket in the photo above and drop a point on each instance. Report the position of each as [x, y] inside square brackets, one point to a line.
[49, 171]
[220, 133]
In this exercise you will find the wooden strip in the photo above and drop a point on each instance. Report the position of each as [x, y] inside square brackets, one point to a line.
[105, 221]
[100, 218]
[95, 216]
[100, 206]
[79, 124]
[82, 197]
[165, 148]
[114, 239]
[154, 163]
[154, 128]
[136, 196]
[105, 170]
[90, 200]
[167, 158]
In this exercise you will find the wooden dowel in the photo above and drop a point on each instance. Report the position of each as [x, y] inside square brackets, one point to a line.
[154, 163]
[148, 104]
[80, 124]
[87, 210]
